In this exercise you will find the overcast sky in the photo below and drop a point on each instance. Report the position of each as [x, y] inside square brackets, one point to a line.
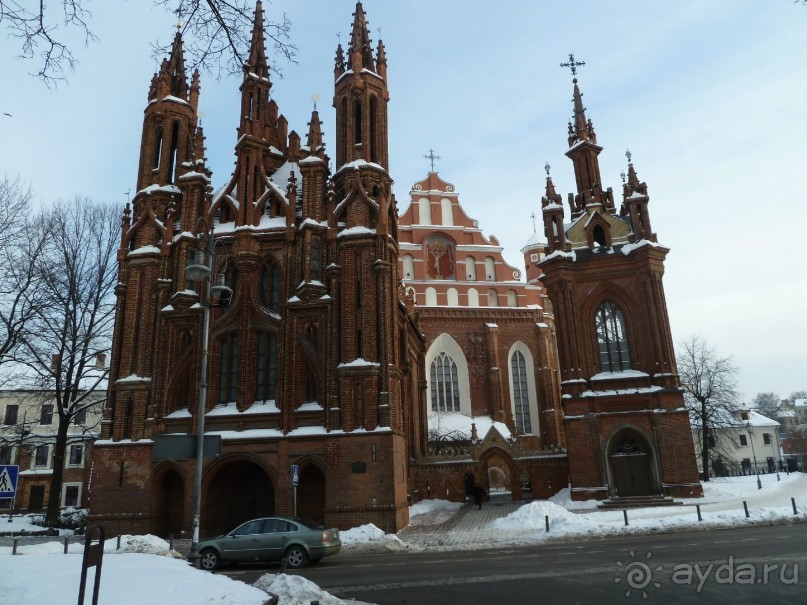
[708, 96]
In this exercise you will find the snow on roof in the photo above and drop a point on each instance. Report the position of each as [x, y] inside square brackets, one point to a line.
[619, 375]
[144, 250]
[559, 254]
[356, 231]
[454, 422]
[358, 363]
[628, 248]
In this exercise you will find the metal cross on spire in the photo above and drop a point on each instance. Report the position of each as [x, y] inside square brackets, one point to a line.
[315, 97]
[431, 157]
[547, 167]
[534, 227]
[628, 154]
[573, 65]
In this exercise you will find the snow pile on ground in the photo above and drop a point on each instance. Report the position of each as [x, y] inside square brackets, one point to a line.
[564, 498]
[370, 538]
[532, 516]
[295, 590]
[147, 544]
[431, 506]
[21, 523]
[126, 579]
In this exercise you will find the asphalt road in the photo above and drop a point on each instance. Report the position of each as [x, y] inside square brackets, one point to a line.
[755, 565]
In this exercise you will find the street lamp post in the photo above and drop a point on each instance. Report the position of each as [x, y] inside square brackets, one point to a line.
[199, 270]
[753, 452]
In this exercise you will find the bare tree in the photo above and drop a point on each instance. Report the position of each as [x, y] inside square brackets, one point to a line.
[766, 404]
[709, 384]
[22, 240]
[217, 33]
[797, 394]
[76, 277]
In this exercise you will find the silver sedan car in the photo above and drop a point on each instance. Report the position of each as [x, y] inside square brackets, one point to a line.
[271, 539]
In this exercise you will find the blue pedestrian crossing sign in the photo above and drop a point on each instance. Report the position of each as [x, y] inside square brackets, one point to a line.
[295, 475]
[8, 480]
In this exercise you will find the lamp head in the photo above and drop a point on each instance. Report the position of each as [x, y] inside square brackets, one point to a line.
[221, 293]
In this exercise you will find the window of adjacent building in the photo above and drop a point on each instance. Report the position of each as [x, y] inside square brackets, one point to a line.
[473, 297]
[444, 386]
[743, 440]
[493, 298]
[612, 338]
[71, 494]
[270, 286]
[512, 298]
[75, 455]
[711, 440]
[46, 415]
[41, 456]
[431, 297]
[766, 438]
[453, 297]
[490, 268]
[408, 266]
[447, 213]
[228, 369]
[10, 417]
[265, 367]
[521, 399]
[424, 211]
[80, 417]
[744, 415]
[470, 268]
[5, 454]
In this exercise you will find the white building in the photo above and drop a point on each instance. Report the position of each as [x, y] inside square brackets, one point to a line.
[746, 444]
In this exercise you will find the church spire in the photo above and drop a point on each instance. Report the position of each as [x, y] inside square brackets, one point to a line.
[171, 79]
[583, 148]
[635, 201]
[256, 63]
[360, 52]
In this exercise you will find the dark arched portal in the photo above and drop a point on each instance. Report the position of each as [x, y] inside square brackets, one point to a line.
[170, 505]
[311, 494]
[240, 491]
[631, 459]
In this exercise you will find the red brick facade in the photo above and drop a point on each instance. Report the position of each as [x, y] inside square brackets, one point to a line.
[325, 356]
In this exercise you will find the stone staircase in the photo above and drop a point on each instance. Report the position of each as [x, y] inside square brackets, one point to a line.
[637, 502]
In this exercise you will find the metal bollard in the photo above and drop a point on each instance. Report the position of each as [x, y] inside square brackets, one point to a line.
[14, 547]
[283, 563]
[745, 506]
[698, 506]
[118, 546]
[625, 514]
[65, 545]
[546, 520]
[793, 502]
[170, 541]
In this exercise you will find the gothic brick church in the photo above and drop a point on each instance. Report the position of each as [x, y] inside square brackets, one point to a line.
[390, 357]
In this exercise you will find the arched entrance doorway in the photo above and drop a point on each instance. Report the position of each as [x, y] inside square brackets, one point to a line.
[170, 504]
[311, 494]
[630, 457]
[238, 492]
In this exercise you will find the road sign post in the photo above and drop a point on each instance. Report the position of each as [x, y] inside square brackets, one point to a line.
[295, 481]
[8, 484]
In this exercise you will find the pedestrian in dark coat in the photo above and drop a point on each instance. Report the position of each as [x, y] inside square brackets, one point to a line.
[479, 495]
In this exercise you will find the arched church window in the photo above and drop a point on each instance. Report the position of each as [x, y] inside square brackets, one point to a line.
[493, 298]
[408, 266]
[316, 261]
[612, 339]
[158, 147]
[598, 234]
[470, 268]
[228, 368]
[172, 158]
[265, 366]
[270, 286]
[521, 399]
[357, 123]
[473, 297]
[439, 255]
[490, 268]
[373, 128]
[445, 390]
[512, 298]
[453, 297]
[424, 211]
[431, 297]
[447, 212]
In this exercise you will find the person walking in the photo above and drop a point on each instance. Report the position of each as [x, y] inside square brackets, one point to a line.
[479, 495]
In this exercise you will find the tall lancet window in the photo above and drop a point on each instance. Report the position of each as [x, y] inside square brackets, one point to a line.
[265, 366]
[521, 397]
[445, 390]
[316, 261]
[612, 338]
[228, 369]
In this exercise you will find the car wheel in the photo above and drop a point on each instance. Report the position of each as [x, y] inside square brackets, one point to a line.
[209, 560]
[296, 557]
